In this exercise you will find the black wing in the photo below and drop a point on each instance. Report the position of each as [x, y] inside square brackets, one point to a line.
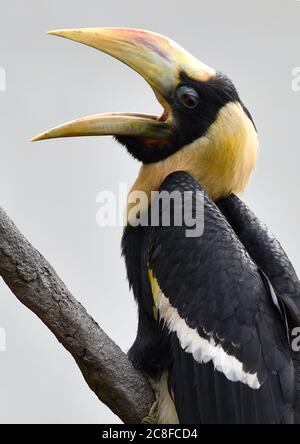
[269, 255]
[230, 354]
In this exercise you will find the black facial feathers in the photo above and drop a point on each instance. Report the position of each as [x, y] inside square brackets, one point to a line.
[189, 124]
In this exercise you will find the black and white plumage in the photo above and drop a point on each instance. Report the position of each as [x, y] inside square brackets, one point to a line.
[221, 331]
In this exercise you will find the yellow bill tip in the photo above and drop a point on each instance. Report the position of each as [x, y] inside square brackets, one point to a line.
[39, 137]
[64, 32]
[55, 32]
[35, 139]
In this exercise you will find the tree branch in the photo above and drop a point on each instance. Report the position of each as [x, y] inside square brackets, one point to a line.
[104, 366]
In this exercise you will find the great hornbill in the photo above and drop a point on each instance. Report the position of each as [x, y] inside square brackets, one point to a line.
[215, 311]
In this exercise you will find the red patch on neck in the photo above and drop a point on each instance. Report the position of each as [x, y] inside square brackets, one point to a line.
[155, 143]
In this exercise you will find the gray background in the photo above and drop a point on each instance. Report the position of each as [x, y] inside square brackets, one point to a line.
[49, 189]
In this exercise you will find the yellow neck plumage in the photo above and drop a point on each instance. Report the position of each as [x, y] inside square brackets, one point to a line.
[222, 161]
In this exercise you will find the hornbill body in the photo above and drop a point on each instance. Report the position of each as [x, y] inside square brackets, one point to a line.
[215, 311]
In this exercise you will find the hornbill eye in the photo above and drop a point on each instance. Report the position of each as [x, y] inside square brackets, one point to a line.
[188, 97]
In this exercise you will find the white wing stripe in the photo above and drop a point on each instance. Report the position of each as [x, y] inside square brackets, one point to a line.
[204, 350]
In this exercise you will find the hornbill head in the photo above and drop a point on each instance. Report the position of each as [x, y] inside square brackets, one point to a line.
[205, 129]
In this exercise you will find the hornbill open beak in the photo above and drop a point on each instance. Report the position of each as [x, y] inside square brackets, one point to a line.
[158, 59]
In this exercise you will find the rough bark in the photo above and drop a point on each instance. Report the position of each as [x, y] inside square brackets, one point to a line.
[104, 366]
